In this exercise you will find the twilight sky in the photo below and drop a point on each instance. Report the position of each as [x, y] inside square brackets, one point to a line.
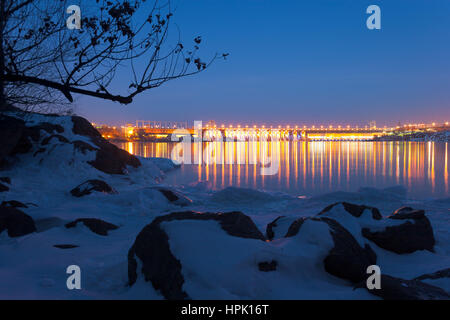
[304, 62]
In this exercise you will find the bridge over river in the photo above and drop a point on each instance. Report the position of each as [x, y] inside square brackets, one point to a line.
[163, 131]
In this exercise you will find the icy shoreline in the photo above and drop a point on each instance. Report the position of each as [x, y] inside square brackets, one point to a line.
[213, 263]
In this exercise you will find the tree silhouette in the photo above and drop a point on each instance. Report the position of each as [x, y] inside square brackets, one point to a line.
[43, 61]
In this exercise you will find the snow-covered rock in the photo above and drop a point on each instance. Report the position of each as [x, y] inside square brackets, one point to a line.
[174, 197]
[354, 209]
[393, 288]
[414, 233]
[3, 188]
[309, 252]
[89, 186]
[97, 226]
[26, 132]
[279, 227]
[160, 266]
[15, 222]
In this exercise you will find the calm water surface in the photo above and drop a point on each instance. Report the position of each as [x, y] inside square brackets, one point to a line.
[311, 168]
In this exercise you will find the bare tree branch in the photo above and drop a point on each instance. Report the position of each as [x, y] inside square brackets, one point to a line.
[38, 51]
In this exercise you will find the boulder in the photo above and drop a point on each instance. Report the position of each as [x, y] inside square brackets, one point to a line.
[90, 186]
[59, 137]
[16, 222]
[445, 273]
[3, 188]
[267, 266]
[294, 228]
[65, 246]
[83, 127]
[13, 204]
[83, 146]
[416, 233]
[97, 226]
[174, 197]
[160, 266]
[355, 210]
[270, 234]
[404, 209]
[109, 158]
[16, 135]
[32, 135]
[11, 130]
[347, 260]
[17, 138]
[40, 150]
[48, 127]
[24, 145]
[6, 180]
[399, 289]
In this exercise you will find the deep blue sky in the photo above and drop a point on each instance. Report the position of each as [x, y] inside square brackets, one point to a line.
[304, 62]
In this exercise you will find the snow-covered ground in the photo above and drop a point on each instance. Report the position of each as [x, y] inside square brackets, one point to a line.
[30, 267]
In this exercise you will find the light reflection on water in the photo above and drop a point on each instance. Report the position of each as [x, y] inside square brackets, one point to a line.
[310, 168]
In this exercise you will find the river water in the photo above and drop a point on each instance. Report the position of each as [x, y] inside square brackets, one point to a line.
[311, 168]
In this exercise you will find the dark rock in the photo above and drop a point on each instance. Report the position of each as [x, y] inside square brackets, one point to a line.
[347, 259]
[267, 266]
[97, 226]
[175, 197]
[54, 136]
[13, 204]
[89, 186]
[238, 224]
[407, 237]
[169, 194]
[65, 246]
[48, 127]
[40, 150]
[83, 146]
[270, 234]
[110, 159]
[19, 139]
[16, 136]
[83, 127]
[33, 133]
[355, 210]
[399, 289]
[16, 222]
[445, 273]
[3, 188]
[23, 145]
[11, 130]
[408, 213]
[294, 228]
[403, 210]
[160, 266]
[5, 180]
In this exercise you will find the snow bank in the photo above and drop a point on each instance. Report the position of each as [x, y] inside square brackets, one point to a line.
[218, 266]
[215, 264]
